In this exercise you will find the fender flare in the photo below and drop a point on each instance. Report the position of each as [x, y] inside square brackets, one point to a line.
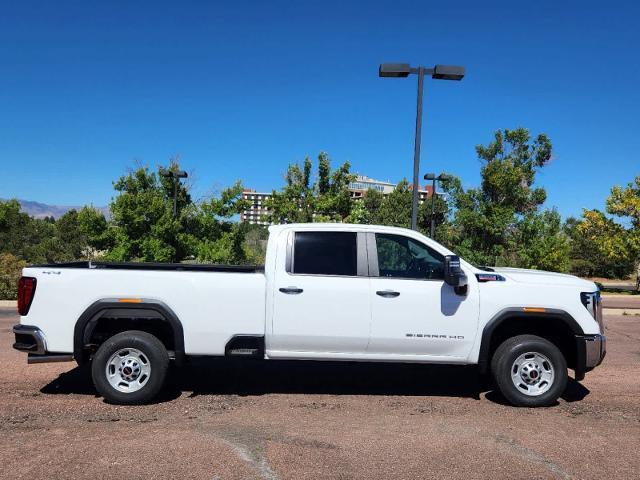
[512, 312]
[88, 320]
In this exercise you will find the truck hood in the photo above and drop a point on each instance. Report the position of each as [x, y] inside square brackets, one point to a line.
[540, 277]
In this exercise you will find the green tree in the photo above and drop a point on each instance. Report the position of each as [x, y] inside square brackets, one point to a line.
[625, 203]
[334, 198]
[539, 242]
[603, 247]
[143, 227]
[371, 203]
[68, 235]
[486, 220]
[29, 239]
[10, 271]
[215, 236]
[226, 248]
[142, 215]
[301, 201]
[94, 228]
[395, 209]
[295, 203]
[599, 246]
[359, 213]
[255, 243]
[15, 229]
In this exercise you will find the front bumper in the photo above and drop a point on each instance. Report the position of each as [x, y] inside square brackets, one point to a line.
[31, 340]
[591, 350]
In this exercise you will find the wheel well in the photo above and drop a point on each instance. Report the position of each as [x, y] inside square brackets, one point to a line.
[104, 319]
[554, 330]
[107, 326]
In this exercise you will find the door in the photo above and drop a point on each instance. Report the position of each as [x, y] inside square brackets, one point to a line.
[321, 298]
[414, 311]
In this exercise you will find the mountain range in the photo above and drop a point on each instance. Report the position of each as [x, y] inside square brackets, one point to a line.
[41, 210]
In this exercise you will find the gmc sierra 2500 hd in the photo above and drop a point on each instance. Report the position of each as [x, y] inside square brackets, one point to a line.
[326, 292]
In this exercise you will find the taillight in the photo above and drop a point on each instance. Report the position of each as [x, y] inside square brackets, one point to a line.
[26, 290]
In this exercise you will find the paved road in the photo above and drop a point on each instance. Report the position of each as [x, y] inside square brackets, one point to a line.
[320, 420]
[621, 301]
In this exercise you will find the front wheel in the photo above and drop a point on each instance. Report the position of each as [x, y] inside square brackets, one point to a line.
[130, 368]
[529, 371]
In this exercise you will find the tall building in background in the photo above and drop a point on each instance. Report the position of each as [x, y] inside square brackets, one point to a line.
[254, 214]
[423, 193]
[362, 183]
[358, 188]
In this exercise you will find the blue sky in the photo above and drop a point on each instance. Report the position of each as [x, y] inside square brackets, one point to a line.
[240, 89]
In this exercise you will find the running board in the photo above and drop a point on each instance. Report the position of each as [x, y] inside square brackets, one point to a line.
[244, 352]
[51, 357]
[245, 346]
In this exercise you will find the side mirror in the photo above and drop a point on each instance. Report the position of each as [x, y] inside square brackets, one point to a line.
[454, 275]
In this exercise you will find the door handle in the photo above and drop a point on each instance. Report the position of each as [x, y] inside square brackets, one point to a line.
[388, 293]
[291, 290]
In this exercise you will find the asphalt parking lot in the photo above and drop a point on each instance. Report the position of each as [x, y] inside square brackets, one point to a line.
[319, 420]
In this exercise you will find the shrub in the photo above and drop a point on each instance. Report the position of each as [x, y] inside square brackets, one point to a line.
[10, 271]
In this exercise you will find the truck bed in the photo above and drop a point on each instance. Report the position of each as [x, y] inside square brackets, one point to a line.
[196, 267]
[213, 302]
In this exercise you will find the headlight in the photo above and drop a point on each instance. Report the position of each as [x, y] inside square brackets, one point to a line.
[593, 303]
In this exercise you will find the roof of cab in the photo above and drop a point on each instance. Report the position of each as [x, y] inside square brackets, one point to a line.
[339, 226]
[355, 227]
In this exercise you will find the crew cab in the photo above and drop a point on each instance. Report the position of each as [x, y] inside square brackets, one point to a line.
[326, 292]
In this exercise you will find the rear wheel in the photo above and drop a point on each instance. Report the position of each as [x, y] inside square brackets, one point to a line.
[529, 371]
[130, 368]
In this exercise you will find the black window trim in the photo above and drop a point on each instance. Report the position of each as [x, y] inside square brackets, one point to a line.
[366, 256]
[374, 270]
[362, 264]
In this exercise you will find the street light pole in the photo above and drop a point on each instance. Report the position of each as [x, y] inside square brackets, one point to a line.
[439, 72]
[175, 196]
[175, 176]
[433, 178]
[433, 210]
[416, 152]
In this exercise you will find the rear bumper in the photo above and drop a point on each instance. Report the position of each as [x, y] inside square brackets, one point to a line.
[591, 350]
[31, 340]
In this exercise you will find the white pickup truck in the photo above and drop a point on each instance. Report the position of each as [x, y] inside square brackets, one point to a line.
[326, 292]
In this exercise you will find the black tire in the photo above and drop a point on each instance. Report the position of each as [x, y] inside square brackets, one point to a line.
[152, 350]
[502, 367]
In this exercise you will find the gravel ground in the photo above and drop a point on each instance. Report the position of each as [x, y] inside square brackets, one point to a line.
[280, 420]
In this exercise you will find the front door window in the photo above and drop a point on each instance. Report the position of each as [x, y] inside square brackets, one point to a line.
[403, 257]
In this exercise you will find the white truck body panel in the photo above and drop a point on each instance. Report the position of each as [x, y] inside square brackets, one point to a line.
[336, 317]
[201, 300]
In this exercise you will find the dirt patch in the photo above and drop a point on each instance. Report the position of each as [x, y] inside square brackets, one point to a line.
[309, 420]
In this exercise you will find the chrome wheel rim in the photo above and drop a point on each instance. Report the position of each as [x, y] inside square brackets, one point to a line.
[128, 370]
[532, 374]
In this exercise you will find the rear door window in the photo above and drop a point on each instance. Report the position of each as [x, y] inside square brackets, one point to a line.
[325, 253]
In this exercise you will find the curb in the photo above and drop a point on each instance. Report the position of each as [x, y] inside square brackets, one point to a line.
[621, 311]
[9, 303]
